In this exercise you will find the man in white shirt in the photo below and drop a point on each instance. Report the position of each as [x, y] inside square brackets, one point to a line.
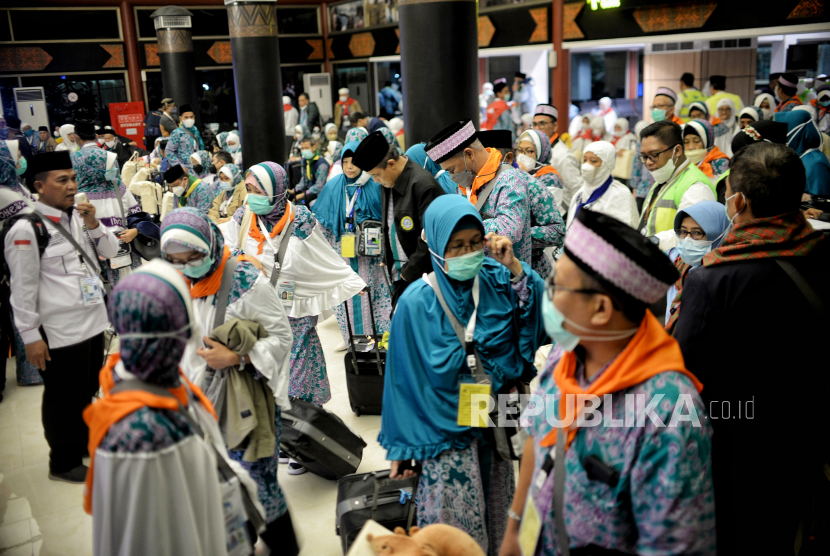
[58, 305]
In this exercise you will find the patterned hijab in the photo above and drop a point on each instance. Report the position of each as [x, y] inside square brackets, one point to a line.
[389, 136]
[189, 228]
[222, 140]
[153, 299]
[203, 158]
[703, 129]
[96, 170]
[8, 164]
[269, 178]
[233, 172]
[356, 134]
[542, 143]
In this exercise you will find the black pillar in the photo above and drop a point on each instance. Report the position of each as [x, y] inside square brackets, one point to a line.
[257, 80]
[439, 65]
[178, 68]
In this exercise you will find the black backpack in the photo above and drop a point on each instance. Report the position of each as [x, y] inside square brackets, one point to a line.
[152, 124]
[42, 237]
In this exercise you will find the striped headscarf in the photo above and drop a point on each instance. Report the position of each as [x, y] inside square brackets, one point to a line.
[542, 143]
[233, 172]
[270, 179]
[188, 228]
[704, 130]
[151, 311]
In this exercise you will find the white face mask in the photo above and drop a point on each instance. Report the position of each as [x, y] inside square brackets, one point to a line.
[526, 162]
[618, 133]
[662, 175]
[588, 171]
[56, 134]
[110, 144]
[595, 176]
[189, 123]
[344, 98]
[696, 155]
[766, 113]
[178, 191]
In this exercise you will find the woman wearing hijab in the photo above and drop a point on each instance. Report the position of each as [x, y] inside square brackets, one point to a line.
[418, 155]
[230, 196]
[333, 152]
[395, 125]
[600, 192]
[748, 116]
[583, 135]
[345, 202]
[330, 131]
[623, 138]
[607, 113]
[70, 140]
[144, 453]
[534, 157]
[201, 161]
[194, 245]
[313, 277]
[804, 138]
[765, 103]
[14, 199]
[229, 141]
[701, 228]
[641, 179]
[727, 115]
[464, 483]
[699, 147]
[357, 134]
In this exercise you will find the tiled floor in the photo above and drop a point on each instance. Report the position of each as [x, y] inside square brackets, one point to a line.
[43, 517]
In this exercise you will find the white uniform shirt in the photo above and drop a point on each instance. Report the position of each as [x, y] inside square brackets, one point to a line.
[54, 300]
[617, 202]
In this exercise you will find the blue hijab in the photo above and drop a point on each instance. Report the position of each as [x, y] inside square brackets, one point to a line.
[418, 155]
[710, 216]
[426, 364]
[330, 207]
[803, 136]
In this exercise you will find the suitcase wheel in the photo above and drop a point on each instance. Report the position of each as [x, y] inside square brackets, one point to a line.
[357, 411]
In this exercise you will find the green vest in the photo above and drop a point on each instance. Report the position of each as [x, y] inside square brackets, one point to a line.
[690, 96]
[667, 203]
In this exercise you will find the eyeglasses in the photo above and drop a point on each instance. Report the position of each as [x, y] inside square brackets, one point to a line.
[551, 288]
[529, 152]
[654, 157]
[696, 234]
[189, 264]
[463, 249]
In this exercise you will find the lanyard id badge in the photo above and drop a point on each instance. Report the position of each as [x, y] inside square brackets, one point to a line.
[473, 405]
[91, 290]
[347, 239]
[347, 245]
[531, 527]
[285, 292]
[236, 532]
[123, 257]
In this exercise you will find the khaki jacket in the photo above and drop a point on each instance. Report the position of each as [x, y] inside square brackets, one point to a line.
[238, 200]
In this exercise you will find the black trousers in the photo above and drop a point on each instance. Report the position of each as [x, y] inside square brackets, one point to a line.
[69, 383]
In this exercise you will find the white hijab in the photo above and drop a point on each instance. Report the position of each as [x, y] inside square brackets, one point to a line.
[732, 123]
[607, 153]
[766, 113]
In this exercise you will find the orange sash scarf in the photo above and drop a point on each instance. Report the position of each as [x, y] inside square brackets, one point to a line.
[650, 352]
[210, 285]
[487, 173]
[257, 235]
[545, 170]
[110, 409]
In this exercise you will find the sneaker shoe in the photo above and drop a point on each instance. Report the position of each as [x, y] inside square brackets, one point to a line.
[295, 468]
[75, 476]
[283, 458]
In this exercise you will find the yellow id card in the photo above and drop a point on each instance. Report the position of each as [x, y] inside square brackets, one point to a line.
[530, 528]
[347, 246]
[468, 414]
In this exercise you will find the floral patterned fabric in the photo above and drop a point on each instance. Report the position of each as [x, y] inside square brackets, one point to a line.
[180, 145]
[319, 176]
[146, 430]
[309, 380]
[372, 273]
[202, 197]
[719, 166]
[664, 501]
[547, 228]
[507, 211]
[468, 488]
[641, 180]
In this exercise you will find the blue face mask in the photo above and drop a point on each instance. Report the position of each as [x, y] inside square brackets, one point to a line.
[233, 148]
[692, 251]
[658, 114]
[825, 102]
[260, 204]
[307, 154]
[225, 185]
[554, 322]
[465, 267]
[199, 270]
[23, 165]
[29, 132]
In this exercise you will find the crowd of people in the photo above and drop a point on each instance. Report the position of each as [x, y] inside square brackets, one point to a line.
[647, 428]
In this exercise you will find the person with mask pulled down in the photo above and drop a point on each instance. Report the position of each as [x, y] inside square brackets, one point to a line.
[310, 280]
[231, 197]
[804, 137]
[677, 182]
[600, 192]
[698, 144]
[609, 345]
[155, 443]
[465, 483]
[194, 246]
[700, 228]
[771, 269]
[499, 192]
[407, 191]
[185, 140]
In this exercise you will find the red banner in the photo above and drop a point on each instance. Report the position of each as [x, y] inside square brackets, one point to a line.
[128, 120]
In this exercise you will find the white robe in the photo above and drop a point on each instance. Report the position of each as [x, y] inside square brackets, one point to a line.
[569, 171]
[617, 202]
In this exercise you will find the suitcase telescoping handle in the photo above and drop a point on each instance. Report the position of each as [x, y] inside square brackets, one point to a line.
[353, 352]
[383, 477]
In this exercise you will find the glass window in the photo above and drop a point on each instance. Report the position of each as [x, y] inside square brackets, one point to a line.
[762, 64]
[297, 21]
[382, 12]
[71, 25]
[347, 16]
[95, 92]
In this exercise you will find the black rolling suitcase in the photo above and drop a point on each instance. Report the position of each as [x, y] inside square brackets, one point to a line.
[365, 369]
[320, 440]
[374, 496]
